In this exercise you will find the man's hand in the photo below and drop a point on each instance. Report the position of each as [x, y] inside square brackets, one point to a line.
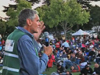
[41, 27]
[48, 50]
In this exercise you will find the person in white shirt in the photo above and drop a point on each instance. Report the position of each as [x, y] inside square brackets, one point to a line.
[65, 44]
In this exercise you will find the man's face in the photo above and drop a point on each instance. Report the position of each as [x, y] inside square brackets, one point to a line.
[73, 55]
[99, 45]
[35, 24]
[87, 68]
[96, 65]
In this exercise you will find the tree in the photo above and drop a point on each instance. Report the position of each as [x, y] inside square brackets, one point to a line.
[95, 15]
[13, 13]
[2, 28]
[94, 12]
[65, 13]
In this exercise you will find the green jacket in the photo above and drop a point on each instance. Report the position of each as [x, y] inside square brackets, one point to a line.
[11, 54]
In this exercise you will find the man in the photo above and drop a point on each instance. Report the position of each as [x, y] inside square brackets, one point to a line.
[97, 68]
[65, 44]
[87, 70]
[21, 49]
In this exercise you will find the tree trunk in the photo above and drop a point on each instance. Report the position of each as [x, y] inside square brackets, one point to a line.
[77, 27]
[56, 31]
[65, 34]
[64, 26]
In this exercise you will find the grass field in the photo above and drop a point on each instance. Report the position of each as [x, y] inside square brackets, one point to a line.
[53, 69]
[0, 70]
[50, 70]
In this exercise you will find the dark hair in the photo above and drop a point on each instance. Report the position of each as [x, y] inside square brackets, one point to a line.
[87, 66]
[26, 14]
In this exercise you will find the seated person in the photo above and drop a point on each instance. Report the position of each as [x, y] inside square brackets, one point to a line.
[75, 68]
[97, 68]
[98, 57]
[60, 68]
[1, 59]
[73, 58]
[91, 55]
[94, 73]
[80, 57]
[82, 65]
[68, 73]
[87, 70]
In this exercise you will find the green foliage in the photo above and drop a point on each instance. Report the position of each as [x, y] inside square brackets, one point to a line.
[22, 4]
[95, 15]
[2, 27]
[60, 11]
[65, 13]
[42, 11]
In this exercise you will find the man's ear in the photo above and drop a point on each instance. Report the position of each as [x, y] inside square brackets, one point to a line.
[29, 22]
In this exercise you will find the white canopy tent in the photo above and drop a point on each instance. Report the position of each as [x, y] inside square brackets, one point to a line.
[80, 32]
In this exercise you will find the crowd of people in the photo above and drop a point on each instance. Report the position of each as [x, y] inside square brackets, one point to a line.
[76, 54]
[69, 56]
[2, 44]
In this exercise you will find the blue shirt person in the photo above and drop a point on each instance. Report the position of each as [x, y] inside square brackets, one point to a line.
[27, 47]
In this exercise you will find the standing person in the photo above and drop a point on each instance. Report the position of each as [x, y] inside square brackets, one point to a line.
[21, 48]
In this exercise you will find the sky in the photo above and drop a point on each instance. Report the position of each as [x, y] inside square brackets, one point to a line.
[7, 2]
[95, 3]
